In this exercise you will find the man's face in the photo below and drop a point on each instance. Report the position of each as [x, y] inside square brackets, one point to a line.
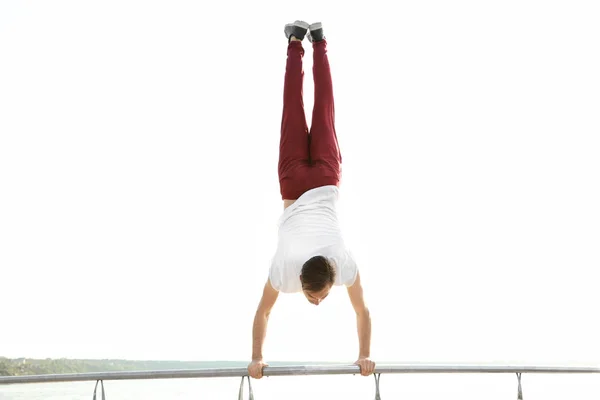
[317, 297]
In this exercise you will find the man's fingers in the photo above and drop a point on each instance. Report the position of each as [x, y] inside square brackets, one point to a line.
[371, 368]
[365, 370]
[256, 374]
[261, 368]
[256, 371]
[366, 367]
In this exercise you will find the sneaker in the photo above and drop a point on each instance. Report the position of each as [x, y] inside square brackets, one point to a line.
[315, 32]
[297, 29]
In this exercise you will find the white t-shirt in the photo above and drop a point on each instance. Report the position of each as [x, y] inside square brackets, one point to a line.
[309, 228]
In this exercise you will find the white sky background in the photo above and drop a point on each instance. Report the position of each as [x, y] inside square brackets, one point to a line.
[139, 194]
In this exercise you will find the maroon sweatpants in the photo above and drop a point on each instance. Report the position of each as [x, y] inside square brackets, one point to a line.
[307, 159]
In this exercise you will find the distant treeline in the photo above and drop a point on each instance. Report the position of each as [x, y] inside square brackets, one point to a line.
[30, 366]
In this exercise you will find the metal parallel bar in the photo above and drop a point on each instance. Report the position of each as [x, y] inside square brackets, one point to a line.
[377, 376]
[519, 388]
[291, 370]
[96, 388]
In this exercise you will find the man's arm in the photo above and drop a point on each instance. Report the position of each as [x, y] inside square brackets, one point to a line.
[259, 329]
[363, 325]
[363, 319]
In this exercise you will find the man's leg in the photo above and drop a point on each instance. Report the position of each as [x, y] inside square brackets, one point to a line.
[324, 149]
[293, 145]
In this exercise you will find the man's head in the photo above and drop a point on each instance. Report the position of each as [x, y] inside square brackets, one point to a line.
[317, 277]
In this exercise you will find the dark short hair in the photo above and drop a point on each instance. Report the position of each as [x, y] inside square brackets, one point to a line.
[317, 273]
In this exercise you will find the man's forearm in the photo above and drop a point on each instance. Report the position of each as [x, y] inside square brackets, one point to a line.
[363, 324]
[259, 331]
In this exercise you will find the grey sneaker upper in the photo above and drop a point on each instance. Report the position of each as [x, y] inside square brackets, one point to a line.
[297, 29]
[315, 33]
